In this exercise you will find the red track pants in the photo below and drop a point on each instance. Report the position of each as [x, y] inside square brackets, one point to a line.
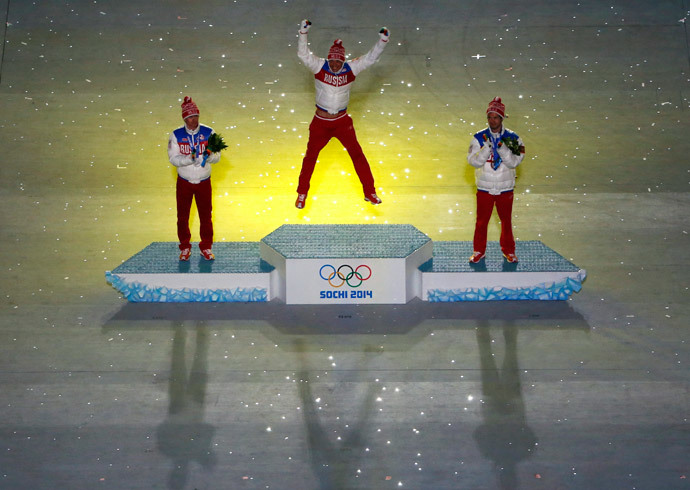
[186, 191]
[485, 207]
[320, 133]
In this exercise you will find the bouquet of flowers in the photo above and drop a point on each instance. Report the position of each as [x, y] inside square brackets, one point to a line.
[215, 144]
[512, 144]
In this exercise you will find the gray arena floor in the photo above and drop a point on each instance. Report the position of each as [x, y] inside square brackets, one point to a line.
[590, 393]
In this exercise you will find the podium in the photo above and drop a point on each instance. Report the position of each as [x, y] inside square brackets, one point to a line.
[346, 264]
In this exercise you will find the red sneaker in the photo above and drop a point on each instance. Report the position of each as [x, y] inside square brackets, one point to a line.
[207, 254]
[299, 203]
[185, 253]
[512, 258]
[372, 198]
[476, 257]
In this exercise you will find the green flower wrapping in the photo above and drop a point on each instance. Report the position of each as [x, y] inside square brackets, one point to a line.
[512, 144]
[216, 143]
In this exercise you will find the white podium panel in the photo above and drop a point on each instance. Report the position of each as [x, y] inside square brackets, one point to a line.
[350, 280]
[340, 264]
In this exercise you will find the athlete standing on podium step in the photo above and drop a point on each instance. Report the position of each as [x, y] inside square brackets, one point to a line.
[333, 80]
[495, 152]
[187, 151]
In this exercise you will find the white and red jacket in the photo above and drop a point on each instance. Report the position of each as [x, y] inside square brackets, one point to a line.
[494, 164]
[333, 89]
[180, 145]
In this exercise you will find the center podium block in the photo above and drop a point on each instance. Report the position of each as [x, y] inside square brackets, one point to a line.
[346, 264]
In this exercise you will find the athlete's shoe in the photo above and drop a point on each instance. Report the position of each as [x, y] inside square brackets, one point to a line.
[185, 253]
[476, 257]
[207, 254]
[299, 203]
[372, 198]
[512, 258]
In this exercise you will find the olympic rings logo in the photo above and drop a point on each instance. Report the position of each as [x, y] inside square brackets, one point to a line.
[345, 274]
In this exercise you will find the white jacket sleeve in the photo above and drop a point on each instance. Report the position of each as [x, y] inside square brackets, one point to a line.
[476, 155]
[311, 61]
[508, 158]
[174, 155]
[364, 62]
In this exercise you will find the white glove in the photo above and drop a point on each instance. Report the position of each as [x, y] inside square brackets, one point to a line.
[384, 34]
[304, 26]
[503, 151]
[487, 144]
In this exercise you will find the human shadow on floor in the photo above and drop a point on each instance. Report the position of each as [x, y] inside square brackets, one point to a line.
[183, 436]
[334, 462]
[504, 436]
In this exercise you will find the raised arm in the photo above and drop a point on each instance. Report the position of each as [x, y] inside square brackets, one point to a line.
[363, 62]
[311, 61]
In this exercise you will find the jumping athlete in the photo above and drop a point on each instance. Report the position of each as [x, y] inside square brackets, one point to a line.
[333, 80]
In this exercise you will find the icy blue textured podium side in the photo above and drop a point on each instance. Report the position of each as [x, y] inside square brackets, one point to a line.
[157, 275]
[540, 274]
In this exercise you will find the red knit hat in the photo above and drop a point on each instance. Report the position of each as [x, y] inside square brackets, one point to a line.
[189, 108]
[497, 106]
[337, 51]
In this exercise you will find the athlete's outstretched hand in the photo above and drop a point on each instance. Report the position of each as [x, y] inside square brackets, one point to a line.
[304, 26]
[384, 34]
